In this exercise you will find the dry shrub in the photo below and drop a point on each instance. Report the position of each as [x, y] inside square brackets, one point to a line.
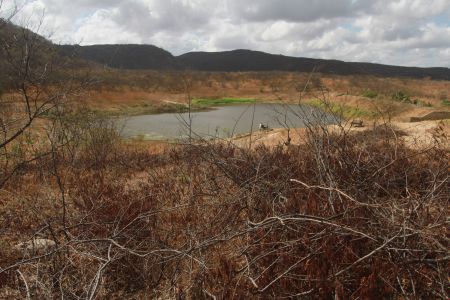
[344, 216]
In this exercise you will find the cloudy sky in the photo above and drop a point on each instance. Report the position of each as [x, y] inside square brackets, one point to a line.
[400, 32]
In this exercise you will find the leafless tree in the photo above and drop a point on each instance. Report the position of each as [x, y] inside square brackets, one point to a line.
[37, 82]
[341, 215]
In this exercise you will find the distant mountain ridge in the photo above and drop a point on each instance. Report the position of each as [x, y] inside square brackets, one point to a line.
[148, 57]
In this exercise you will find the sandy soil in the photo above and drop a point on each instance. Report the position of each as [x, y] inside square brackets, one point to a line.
[419, 134]
[269, 87]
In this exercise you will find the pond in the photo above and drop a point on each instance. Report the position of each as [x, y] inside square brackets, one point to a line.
[222, 122]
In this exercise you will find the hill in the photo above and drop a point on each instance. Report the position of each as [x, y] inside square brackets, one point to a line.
[149, 57]
[246, 60]
[133, 57]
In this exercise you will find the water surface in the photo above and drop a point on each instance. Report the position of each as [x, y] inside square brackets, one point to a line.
[222, 122]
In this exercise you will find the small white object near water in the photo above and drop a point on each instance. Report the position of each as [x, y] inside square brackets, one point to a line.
[263, 127]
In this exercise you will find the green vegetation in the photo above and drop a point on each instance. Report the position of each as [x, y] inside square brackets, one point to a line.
[370, 94]
[221, 101]
[144, 109]
[343, 110]
[446, 102]
[401, 97]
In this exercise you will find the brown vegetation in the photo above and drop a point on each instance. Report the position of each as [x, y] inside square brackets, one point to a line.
[86, 215]
[137, 92]
[343, 215]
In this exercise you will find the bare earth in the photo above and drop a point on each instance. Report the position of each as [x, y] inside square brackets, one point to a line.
[419, 134]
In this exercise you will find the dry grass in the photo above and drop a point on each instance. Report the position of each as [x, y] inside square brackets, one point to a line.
[343, 215]
[346, 215]
[140, 92]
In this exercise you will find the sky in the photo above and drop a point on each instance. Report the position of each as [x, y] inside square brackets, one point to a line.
[398, 32]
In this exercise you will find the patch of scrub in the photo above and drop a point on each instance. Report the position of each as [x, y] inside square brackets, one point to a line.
[222, 101]
[346, 111]
[145, 109]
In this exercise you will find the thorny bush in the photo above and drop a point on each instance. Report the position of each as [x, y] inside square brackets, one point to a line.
[344, 216]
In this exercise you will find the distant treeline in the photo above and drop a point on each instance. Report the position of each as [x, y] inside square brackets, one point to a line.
[148, 57]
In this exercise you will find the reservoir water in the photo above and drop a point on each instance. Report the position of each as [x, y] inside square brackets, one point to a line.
[222, 122]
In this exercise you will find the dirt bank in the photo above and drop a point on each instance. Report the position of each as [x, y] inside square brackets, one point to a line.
[417, 134]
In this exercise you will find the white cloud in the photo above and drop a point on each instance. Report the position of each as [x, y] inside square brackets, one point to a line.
[105, 32]
[403, 32]
[297, 10]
